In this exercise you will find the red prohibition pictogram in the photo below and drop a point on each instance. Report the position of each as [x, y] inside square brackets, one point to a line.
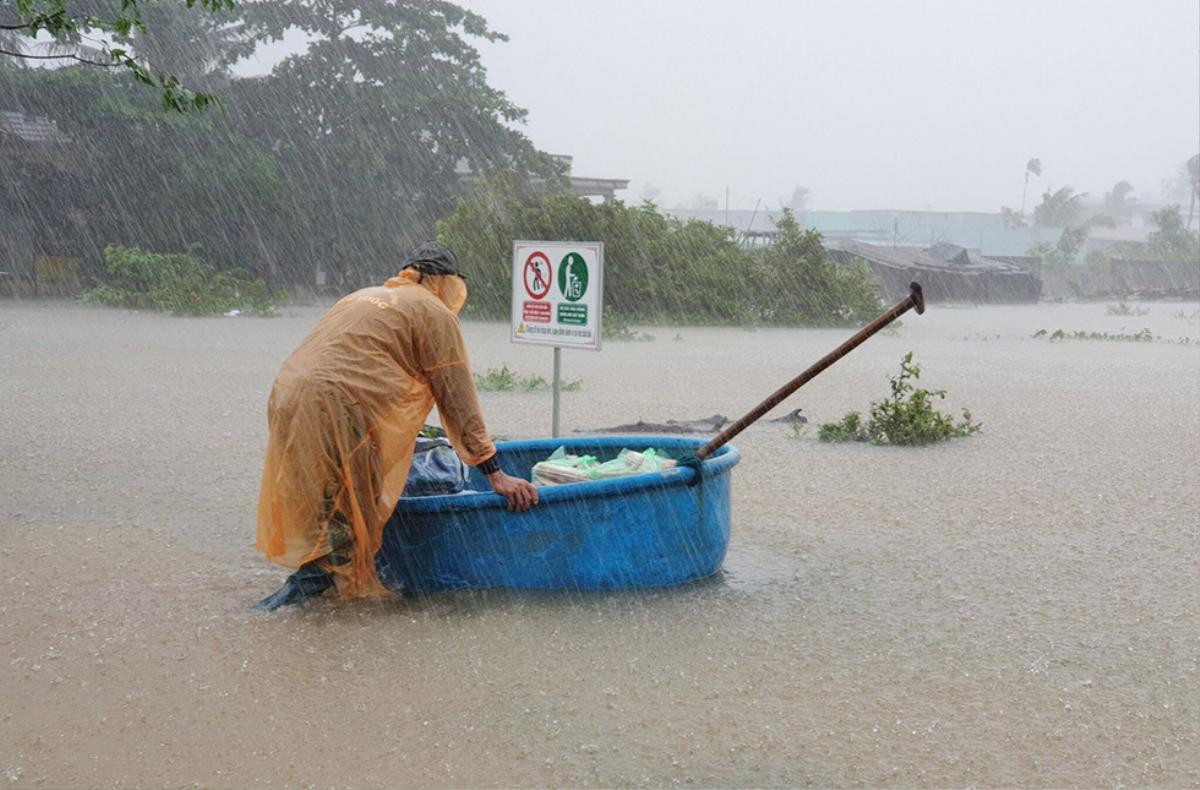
[537, 275]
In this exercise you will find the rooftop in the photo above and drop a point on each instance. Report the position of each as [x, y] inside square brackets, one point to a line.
[30, 128]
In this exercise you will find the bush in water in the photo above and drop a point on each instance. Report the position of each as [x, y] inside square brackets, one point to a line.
[908, 417]
[181, 283]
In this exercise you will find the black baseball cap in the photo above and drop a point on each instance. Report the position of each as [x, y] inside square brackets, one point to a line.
[433, 257]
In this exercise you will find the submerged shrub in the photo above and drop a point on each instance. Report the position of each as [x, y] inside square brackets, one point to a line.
[908, 417]
[1141, 336]
[849, 429]
[180, 283]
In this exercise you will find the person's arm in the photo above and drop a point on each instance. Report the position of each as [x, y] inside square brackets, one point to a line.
[458, 405]
[444, 363]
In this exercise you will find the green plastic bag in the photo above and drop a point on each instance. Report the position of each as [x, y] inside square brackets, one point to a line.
[561, 467]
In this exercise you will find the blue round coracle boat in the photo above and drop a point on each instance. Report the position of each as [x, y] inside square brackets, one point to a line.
[646, 530]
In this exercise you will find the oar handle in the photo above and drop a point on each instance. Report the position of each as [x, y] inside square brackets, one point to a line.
[915, 299]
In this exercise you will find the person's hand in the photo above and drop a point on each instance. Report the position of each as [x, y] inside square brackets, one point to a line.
[521, 494]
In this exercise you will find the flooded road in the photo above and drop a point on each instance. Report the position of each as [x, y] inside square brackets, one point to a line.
[1020, 607]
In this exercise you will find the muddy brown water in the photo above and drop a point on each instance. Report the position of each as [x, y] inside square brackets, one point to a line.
[1017, 608]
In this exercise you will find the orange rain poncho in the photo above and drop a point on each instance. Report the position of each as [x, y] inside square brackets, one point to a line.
[344, 416]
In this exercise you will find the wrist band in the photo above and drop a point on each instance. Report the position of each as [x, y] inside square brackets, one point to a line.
[491, 466]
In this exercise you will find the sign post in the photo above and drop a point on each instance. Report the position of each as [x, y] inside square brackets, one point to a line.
[557, 299]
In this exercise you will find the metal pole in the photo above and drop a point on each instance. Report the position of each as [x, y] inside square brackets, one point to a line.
[915, 299]
[557, 385]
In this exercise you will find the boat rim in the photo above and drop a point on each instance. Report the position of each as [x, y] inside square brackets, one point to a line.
[720, 461]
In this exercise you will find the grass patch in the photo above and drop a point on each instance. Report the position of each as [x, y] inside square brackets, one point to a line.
[909, 417]
[502, 379]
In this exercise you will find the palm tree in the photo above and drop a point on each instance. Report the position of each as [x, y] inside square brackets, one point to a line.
[1058, 209]
[1116, 202]
[1193, 170]
[1032, 166]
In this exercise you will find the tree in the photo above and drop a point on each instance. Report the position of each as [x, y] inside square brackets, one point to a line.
[1012, 219]
[799, 200]
[1193, 170]
[196, 48]
[378, 121]
[796, 282]
[1116, 202]
[656, 267]
[1058, 209]
[190, 178]
[1171, 240]
[1032, 166]
[70, 22]
[1064, 252]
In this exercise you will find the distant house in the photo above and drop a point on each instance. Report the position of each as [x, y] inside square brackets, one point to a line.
[987, 233]
[1156, 279]
[947, 272]
[1125, 278]
[31, 260]
[21, 131]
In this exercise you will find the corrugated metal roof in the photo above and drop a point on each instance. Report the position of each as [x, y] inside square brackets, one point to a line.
[958, 259]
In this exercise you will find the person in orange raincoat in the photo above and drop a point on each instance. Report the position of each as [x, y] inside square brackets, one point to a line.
[343, 418]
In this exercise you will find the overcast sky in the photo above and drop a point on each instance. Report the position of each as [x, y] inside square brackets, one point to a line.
[908, 104]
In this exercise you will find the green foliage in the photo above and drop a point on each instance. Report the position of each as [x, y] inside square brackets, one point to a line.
[504, 380]
[1141, 336]
[340, 160]
[908, 417]
[180, 283]
[657, 269]
[1063, 253]
[1059, 209]
[1171, 241]
[192, 176]
[797, 283]
[372, 119]
[1012, 218]
[69, 24]
[850, 428]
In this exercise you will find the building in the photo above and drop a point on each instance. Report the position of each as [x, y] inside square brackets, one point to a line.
[946, 272]
[583, 186]
[988, 234]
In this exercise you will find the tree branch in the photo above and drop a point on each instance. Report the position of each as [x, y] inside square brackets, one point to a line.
[59, 57]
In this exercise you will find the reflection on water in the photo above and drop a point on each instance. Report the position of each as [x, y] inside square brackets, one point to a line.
[1019, 607]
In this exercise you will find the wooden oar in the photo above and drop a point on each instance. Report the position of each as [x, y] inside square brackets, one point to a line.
[915, 299]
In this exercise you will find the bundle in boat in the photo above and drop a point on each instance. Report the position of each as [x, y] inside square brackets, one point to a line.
[563, 467]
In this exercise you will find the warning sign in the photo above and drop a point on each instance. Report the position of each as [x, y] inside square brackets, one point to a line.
[536, 312]
[537, 275]
[557, 291]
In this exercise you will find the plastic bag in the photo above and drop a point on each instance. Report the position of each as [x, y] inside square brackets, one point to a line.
[561, 467]
[436, 469]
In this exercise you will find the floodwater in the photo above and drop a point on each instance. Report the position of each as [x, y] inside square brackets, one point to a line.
[1021, 607]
